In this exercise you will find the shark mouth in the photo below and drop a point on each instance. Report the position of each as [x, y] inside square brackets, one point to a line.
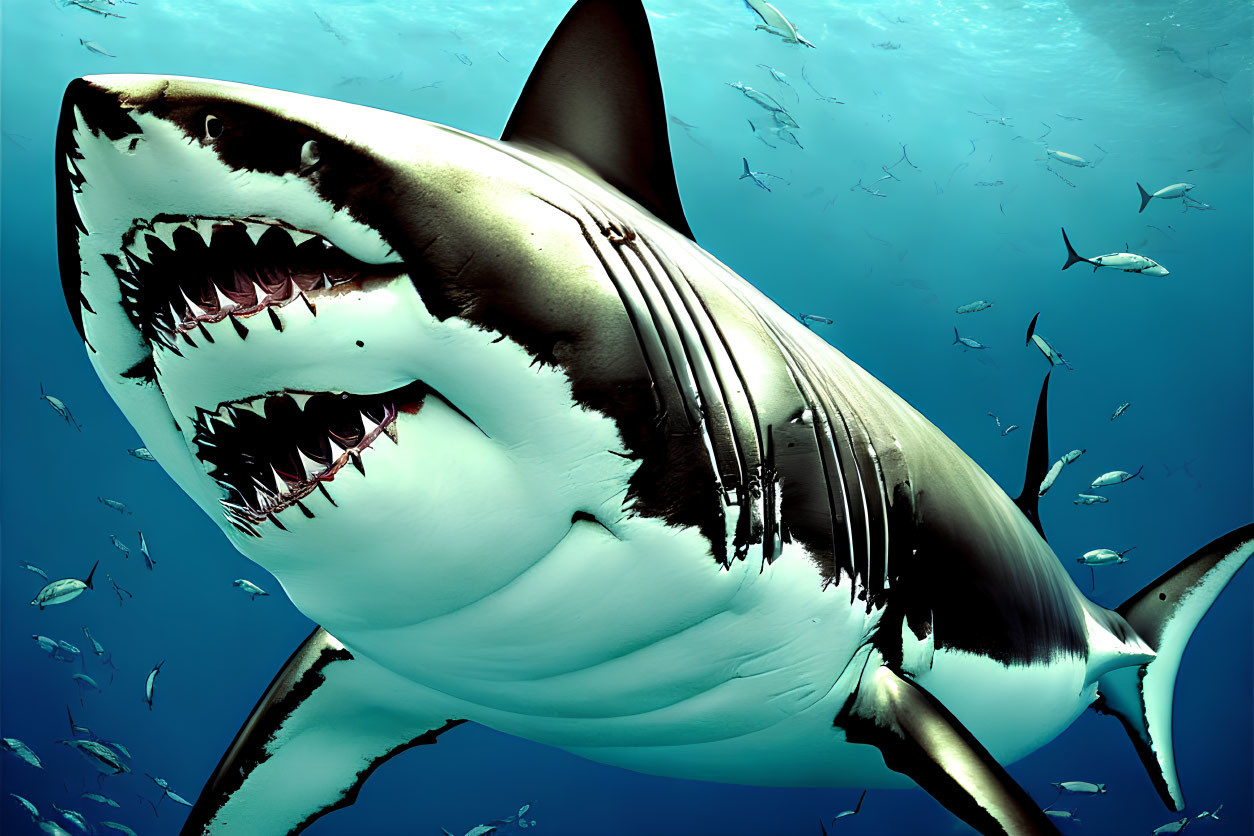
[179, 272]
[270, 452]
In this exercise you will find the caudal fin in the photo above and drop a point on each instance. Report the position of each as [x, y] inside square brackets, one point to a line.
[745, 160]
[1072, 255]
[1164, 614]
[956, 337]
[1146, 197]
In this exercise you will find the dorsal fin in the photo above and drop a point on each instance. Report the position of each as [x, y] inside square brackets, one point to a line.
[1029, 499]
[596, 95]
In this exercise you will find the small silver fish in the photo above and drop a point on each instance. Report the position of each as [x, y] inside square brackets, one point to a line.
[32, 809]
[1104, 557]
[120, 507]
[63, 590]
[1172, 827]
[75, 818]
[1213, 814]
[1122, 408]
[1068, 458]
[120, 828]
[92, 46]
[59, 407]
[1054, 358]
[150, 682]
[857, 809]
[47, 645]
[763, 100]
[1048, 482]
[21, 751]
[972, 307]
[966, 342]
[1089, 499]
[249, 587]
[98, 755]
[1116, 477]
[99, 799]
[142, 453]
[177, 799]
[1063, 815]
[120, 546]
[143, 548]
[122, 750]
[96, 646]
[85, 681]
[807, 318]
[1080, 787]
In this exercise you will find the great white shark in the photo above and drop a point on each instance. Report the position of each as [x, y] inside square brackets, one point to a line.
[534, 459]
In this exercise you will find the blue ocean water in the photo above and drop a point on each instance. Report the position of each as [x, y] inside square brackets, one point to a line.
[1155, 92]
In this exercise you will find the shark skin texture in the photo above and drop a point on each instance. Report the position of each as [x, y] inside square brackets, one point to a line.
[533, 459]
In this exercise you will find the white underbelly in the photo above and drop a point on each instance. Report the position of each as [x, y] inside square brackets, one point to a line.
[638, 643]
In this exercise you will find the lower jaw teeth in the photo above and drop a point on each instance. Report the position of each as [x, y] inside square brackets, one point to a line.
[269, 503]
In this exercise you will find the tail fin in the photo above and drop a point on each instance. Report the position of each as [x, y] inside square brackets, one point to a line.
[956, 337]
[1072, 256]
[745, 160]
[1146, 197]
[1165, 614]
[90, 574]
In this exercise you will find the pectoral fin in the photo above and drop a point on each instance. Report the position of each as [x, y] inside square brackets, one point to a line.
[322, 727]
[920, 738]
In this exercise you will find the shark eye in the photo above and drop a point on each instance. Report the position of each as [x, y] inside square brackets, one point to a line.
[309, 155]
[213, 126]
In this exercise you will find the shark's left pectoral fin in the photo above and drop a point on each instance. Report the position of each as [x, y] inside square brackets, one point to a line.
[921, 739]
[321, 728]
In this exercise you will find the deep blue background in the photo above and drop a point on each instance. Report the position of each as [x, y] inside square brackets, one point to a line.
[889, 271]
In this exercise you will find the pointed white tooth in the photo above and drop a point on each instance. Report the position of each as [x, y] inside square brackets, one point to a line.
[326, 283]
[261, 293]
[256, 407]
[301, 398]
[278, 479]
[196, 310]
[262, 502]
[224, 302]
[177, 318]
[336, 450]
[224, 415]
[205, 227]
[255, 230]
[165, 232]
[312, 468]
[139, 249]
[370, 426]
[299, 237]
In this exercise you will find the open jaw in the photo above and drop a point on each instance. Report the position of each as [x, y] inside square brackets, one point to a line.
[271, 451]
[178, 272]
